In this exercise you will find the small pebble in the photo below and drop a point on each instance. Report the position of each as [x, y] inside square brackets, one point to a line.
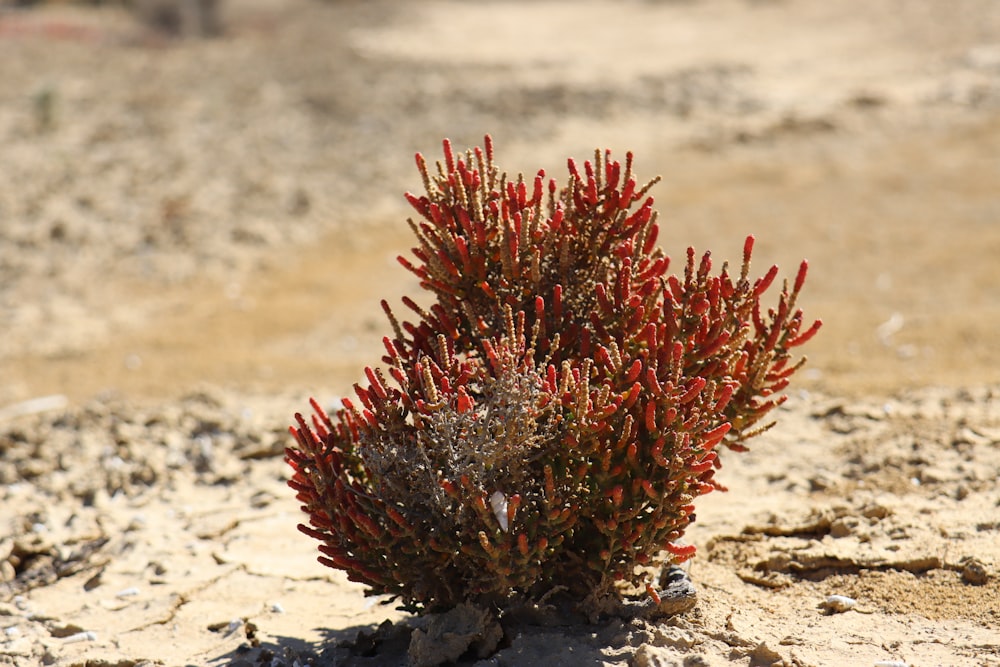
[128, 592]
[12, 631]
[88, 636]
[277, 608]
[838, 604]
[974, 572]
[498, 501]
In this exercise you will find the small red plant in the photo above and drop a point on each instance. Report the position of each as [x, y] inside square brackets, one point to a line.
[548, 420]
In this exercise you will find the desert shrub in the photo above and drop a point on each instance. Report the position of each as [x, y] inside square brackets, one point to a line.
[548, 420]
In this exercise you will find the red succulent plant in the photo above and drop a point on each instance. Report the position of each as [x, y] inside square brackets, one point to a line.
[548, 421]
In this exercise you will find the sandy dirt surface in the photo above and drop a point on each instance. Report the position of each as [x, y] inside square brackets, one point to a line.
[194, 236]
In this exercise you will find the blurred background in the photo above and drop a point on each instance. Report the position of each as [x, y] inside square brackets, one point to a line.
[210, 192]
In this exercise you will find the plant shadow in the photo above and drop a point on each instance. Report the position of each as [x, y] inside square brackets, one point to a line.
[387, 645]
[370, 645]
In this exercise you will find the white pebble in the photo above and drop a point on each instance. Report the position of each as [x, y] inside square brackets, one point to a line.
[12, 631]
[838, 604]
[128, 592]
[498, 502]
[277, 608]
[234, 625]
[34, 406]
[88, 636]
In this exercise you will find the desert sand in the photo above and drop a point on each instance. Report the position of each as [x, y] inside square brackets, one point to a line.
[195, 235]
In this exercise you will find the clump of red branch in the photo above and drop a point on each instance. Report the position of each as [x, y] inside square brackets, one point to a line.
[548, 421]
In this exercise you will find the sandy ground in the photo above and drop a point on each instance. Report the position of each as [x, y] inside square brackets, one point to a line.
[194, 236]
